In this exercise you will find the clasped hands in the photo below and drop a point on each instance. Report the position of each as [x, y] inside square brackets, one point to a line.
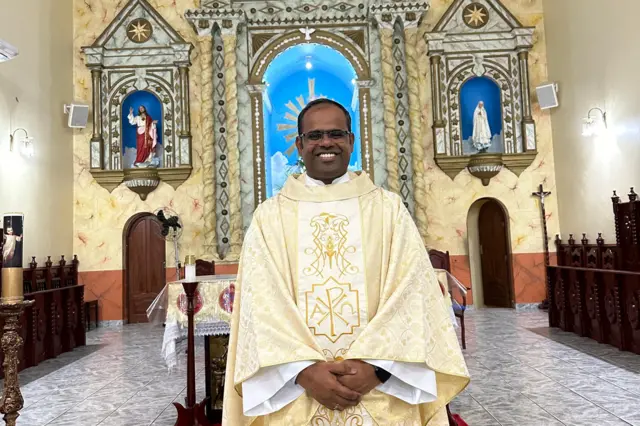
[338, 385]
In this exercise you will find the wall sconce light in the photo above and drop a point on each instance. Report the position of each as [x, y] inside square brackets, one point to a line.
[595, 124]
[27, 148]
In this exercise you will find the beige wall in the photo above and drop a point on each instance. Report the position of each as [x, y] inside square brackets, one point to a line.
[41, 77]
[592, 54]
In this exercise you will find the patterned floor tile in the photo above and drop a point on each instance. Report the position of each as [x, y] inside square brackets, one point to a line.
[523, 373]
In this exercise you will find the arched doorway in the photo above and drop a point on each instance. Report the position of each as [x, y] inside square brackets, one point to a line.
[144, 265]
[490, 254]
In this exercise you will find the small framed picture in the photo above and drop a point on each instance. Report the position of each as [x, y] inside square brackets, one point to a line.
[13, 230]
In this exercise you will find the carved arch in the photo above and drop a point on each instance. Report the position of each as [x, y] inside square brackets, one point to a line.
[347, 48]
[260, 63]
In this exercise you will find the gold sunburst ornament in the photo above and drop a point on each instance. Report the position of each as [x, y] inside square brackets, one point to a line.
[475, 15]
[294, 106]
[139, 30]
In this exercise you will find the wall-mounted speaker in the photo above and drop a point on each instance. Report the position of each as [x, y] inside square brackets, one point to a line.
[78, 115]
[548, 96]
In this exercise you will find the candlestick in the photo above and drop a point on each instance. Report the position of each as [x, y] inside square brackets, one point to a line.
[190, 268]
[11, 402]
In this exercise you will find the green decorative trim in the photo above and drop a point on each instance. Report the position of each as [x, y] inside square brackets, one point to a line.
[175, 176]
[108, 179]
[111, 179]
[518, 163]
[452, 165]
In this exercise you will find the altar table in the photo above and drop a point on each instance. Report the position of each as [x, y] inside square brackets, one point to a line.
[213, 307]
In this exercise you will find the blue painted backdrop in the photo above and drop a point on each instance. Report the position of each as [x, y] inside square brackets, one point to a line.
[154, 109]
[291, 79]
[473, 91]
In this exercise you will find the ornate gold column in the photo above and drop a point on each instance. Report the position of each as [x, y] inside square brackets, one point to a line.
[205, 45]
[417, 137]
[230, 42]
[12, 401]
[96, 137]
[386, 40]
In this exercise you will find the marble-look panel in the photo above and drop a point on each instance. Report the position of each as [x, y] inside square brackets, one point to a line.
[377, 111]
[245, 137]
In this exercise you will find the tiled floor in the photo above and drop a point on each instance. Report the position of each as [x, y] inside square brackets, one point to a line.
[522, 374]
[526, 374]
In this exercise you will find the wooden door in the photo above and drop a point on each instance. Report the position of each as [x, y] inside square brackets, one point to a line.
[145, 266]
[495, 256]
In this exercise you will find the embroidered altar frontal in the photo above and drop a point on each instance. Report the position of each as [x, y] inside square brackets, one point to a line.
[213, 302]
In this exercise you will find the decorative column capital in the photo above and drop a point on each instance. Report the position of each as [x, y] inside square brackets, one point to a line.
[410, 14]
[205, 20]
[256, 89]
[435, 43]
[365, 84]
[182, 55]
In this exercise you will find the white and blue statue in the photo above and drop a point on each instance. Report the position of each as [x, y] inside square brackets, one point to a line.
[481, 137]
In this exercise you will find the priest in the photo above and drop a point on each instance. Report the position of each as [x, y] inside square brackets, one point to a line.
[338, 317]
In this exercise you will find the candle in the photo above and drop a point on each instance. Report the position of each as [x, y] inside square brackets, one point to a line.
[190, 268]
[13, 226]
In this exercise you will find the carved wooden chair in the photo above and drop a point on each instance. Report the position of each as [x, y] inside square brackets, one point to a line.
[205, 267]
[441, 260]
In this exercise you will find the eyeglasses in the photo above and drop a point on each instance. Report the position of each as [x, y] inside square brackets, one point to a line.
[317, 135]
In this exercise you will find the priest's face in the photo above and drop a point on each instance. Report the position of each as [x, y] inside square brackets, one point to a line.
[326, 143]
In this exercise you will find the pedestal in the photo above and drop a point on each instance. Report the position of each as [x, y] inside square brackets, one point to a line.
[12, 401]
[191, 414]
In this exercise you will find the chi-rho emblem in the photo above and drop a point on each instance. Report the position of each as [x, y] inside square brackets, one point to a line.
[333, 309]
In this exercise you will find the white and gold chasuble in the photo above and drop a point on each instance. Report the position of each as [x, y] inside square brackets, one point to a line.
[333, 273]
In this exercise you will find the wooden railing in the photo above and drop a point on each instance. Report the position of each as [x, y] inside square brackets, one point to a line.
[584, 254]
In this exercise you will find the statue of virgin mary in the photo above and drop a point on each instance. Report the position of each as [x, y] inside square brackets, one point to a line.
[481, 131]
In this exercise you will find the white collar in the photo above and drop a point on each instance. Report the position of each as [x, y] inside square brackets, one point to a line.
[314, 182]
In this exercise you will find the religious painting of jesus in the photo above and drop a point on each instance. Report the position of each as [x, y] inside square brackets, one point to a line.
[12, 248]
[142, 130]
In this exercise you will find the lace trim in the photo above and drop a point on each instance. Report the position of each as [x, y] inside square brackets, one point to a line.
[174, 336]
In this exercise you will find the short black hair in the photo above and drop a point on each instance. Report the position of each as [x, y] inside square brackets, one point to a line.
[321, 101]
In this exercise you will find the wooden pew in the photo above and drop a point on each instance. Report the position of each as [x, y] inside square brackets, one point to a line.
[55, 323]
[595, 289]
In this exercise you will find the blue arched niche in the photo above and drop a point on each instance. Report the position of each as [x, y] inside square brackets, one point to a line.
[472, 92]
[298, 75]
[154, 108]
